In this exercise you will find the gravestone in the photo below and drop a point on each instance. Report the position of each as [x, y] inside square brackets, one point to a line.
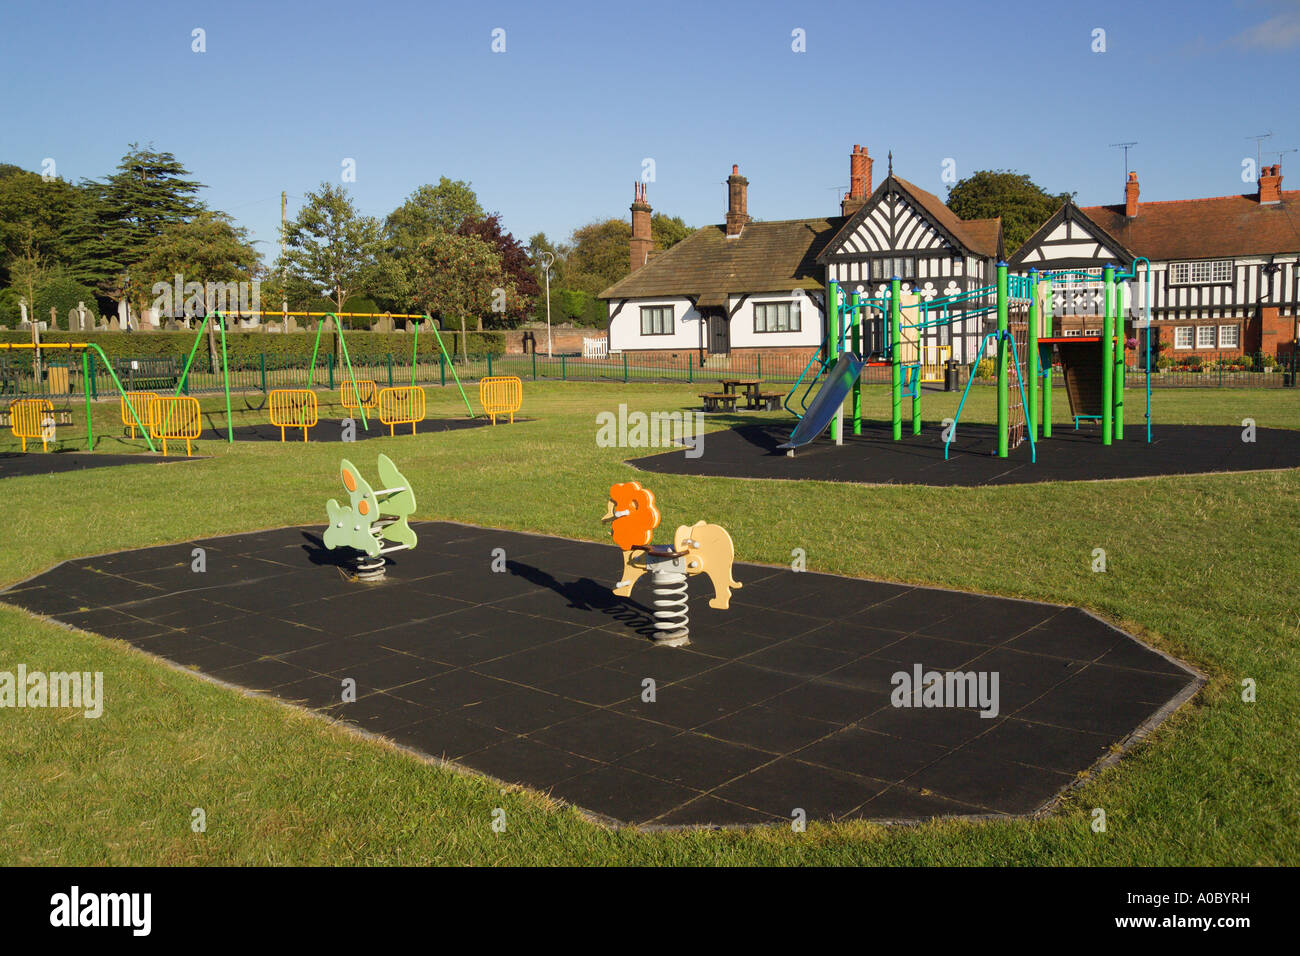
[382, 324]
[113, 325]
[290, 324]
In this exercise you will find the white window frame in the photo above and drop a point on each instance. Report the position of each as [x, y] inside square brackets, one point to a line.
[1213, 337]
[1178, 335]
[768, 317]
[656, 312]
[1229, 331]
[1202, 272]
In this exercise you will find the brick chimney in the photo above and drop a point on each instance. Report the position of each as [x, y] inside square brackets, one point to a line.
[859, 182]
[641, 241]
[1270, 185]
[1131, 195]
[737, 203]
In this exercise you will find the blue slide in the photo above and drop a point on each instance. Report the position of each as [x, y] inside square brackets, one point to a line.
[827, 403]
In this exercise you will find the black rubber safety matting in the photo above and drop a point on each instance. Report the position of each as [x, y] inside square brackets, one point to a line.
[536, 674]
[17, 464]
[335, 429]
[750, 451]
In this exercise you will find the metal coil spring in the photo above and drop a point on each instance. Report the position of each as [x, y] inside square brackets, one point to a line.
[670, 604]
[370, 569]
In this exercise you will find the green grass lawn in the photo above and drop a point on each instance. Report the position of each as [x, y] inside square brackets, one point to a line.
[1202, 567]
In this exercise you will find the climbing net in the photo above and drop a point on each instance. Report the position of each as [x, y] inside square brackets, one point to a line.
[1018, 325]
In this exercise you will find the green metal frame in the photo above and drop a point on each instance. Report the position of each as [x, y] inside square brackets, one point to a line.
[343, 343]
[225, 369]
[416, 344]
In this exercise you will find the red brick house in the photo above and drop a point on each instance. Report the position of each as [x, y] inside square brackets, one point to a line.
[1225, 271]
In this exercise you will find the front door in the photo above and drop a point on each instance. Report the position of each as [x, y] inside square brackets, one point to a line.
[719, 335]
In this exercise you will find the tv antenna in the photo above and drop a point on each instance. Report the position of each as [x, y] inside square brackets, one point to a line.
[1126, 147]
[1279, 153]
[1259, 143]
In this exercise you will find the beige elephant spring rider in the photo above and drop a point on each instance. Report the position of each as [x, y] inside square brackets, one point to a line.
[701, 548]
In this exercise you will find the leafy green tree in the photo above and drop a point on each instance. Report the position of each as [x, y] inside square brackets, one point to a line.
[209, 248]
[426, 212]
[332, 247]
[515, 263]
[149, 191]
[459, 279]
[667, 231]
[599, 255]
[45, 212]
[1022, 205]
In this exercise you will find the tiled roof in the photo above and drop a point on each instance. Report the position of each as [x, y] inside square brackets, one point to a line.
[768, 257]
[1222, 227]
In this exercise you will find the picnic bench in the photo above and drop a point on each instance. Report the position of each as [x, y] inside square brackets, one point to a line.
[755, 397]
[720, 401]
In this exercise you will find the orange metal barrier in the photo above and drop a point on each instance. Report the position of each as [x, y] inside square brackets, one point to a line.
[28, 418]
[293, 408]
[402, 405]
[140, 401]
[363, 396]
[501, 395]
[175, 417]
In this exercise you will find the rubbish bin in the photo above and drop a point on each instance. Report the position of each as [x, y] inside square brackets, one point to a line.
[950, 374]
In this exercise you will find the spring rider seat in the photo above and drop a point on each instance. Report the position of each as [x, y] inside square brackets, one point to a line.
[701, 548]
[371, 518]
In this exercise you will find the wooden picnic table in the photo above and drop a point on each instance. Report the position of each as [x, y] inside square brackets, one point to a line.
[750, 385]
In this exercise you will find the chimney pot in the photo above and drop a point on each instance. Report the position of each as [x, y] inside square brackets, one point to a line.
[641, 243]
[859, 181]
[1270, 185]
[737, 203]
[1131, 195]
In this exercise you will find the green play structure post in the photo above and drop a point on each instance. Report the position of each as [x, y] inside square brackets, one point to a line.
[1047, 378]
[1033, 358]
[85, 388]
[916, 403]
[896, 355]
[356, 393]
[225, 369]
[855, 302]
[833, 348]
[1118, 321]
[1003, 355]
[122, 392]
[1108, 358]
[445, 360]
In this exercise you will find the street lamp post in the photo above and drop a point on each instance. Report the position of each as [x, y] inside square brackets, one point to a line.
[548, 258]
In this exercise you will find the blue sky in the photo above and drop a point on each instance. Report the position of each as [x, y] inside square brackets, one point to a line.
[553, 132]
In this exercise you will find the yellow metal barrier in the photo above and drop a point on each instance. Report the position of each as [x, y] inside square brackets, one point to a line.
[363, 396]
[140, 401]
[932, 366]
[293, 408]
[403, 405]
[175, 417]
[32, 418]
[501, 395]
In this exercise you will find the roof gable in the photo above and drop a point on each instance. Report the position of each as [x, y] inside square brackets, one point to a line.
[902, 217]
[1070, 238]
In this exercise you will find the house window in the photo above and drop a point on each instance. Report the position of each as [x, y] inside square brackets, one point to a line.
[656, 320]
[902, 266]
[1229, 336]
[1183, 337]
[1205, 336]
[776, 317]
[1200, 273]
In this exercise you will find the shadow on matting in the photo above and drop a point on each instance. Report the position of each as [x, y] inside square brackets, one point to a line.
[17, 464]
[333, 429]
[750, 451]
[536, 674]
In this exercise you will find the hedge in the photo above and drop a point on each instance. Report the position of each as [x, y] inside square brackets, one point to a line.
[244, 349]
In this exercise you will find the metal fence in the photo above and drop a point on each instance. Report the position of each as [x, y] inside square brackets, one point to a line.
[266, 373]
